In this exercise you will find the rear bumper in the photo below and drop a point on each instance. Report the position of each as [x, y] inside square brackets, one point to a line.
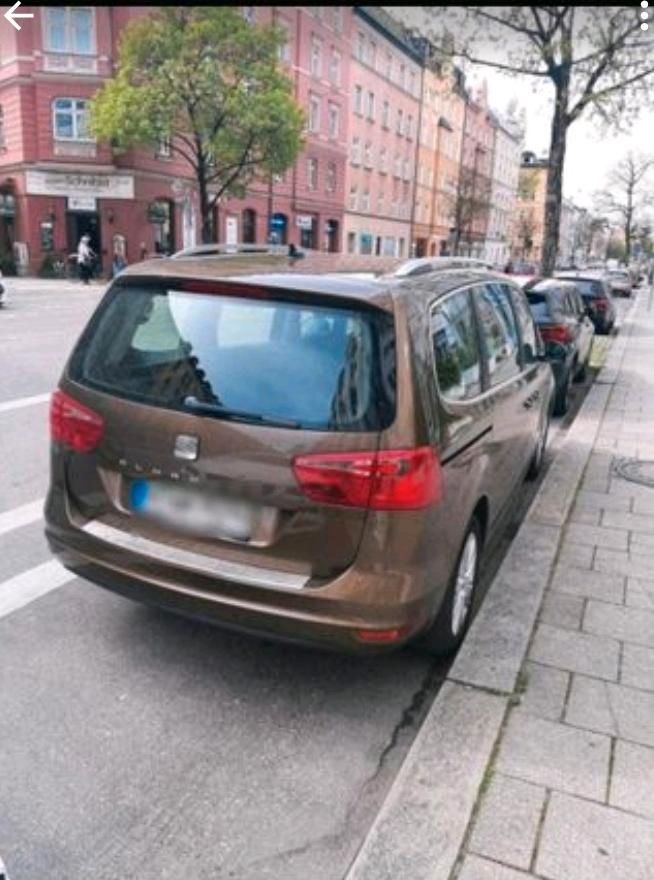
[326, 616]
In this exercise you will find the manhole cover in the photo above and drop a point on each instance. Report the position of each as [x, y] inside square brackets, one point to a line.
[635, 471]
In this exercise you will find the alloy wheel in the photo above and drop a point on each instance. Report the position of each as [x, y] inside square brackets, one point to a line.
[465, 583]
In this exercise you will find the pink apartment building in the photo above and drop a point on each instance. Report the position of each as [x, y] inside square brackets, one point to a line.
[385, 89]
[57, 183]
[476, 171]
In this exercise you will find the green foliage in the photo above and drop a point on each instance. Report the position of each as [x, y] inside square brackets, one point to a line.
[210, 83]
[616, 249]
[48, 268]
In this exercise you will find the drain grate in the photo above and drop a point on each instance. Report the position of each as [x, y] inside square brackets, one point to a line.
[635, 471]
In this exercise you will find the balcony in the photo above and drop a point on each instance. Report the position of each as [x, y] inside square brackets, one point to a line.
[65, 62]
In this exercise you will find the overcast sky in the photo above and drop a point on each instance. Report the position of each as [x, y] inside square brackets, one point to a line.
[591, 151]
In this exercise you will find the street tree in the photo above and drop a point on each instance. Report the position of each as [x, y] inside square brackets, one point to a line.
[469, 208]
[209, 84]
[525, 229]
[597, 60]
[627, 194]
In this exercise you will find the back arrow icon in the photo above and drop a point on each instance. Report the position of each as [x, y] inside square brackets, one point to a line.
[11, 16]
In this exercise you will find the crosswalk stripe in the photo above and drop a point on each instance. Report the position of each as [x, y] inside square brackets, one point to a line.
[24, 588]
[19, 403]
[21, 516]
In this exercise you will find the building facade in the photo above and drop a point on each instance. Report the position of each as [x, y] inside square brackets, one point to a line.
[385, 87]
[474, 191]
[507, 149]
[529, 227]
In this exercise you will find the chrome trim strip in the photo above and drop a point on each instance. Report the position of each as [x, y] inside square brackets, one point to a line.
[251, 575]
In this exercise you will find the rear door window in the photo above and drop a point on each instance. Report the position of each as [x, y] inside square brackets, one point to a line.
[499, 333]
[539, 305]
[456, 347]
[525, 323]
[314, 366]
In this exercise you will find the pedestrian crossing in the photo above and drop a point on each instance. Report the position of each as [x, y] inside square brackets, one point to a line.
[21, 589]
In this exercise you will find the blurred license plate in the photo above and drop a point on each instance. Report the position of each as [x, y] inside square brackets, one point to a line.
[182, 508]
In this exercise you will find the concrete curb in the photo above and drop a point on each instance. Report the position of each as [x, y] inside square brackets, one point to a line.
[422, 824]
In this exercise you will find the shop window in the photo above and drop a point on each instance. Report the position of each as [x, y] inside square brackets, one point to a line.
[249, 226]
[161, 215]
[69, 29]
[71, 119]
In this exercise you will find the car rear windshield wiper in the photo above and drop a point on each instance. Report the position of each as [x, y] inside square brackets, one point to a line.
[237, 415]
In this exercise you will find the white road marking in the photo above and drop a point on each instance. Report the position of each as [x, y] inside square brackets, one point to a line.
[19, 403]
[21, 516]
[24, 588]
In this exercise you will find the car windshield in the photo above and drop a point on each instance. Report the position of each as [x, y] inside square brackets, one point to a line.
[318, 367]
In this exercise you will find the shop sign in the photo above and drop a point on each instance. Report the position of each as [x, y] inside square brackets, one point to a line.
[82, 203]
[98, 186]
[304, 221]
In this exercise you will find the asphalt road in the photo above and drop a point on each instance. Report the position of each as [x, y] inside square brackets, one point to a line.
[138, 745]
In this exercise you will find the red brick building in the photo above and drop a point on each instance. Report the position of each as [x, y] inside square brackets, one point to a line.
[56, 183]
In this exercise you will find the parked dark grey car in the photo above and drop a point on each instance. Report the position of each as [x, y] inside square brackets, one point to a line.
[567, 331]
[595, 289]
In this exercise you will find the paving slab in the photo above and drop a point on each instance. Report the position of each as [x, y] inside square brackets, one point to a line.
[637, 668]
[554, 755]
[575, 554]
[420, 828]
[632, 522]
[586, 841]
[620, 622]
[545, 692]
[613, 709]
[576, 651]
[640, 593]
[590, 584]
[632, 779]
[637, 565]
[561, 609]
[508, 821]
[475, 868]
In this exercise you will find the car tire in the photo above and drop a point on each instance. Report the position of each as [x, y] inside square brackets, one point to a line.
[562, 398]
[537, 459]
[453, 619]
[582, 372]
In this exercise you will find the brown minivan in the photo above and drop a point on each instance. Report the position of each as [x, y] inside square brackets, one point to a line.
[290, 451]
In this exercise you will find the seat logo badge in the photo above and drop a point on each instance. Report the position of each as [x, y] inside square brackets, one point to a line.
[186, 447]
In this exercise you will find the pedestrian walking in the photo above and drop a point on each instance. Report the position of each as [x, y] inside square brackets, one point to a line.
[118, 263]
[85, 258]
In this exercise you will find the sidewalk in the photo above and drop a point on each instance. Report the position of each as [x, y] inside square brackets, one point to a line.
[569, 791]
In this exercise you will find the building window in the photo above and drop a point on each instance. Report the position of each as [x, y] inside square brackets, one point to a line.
[367, 155]
[3, 139]
[250, 14]
[389, 65]
[69, 29]
[284, 48]
[314, 113]
[353, 198]
[71, 119]
[405, 169]
[382, 161]
[402, 76]
[397, 166]
[371, 106]
[330, 184]
[355, 153]
[380, 203]
[358, 100]
[312, 173]
[372, 54]
[365, 201]
[386, 115]
[335, 68]
[163, 147]
[361, 46]
[351, 242]
[338, 19]
[400, 122]
[333, 121]
[412, 81]
[409, 126]
[316, 52]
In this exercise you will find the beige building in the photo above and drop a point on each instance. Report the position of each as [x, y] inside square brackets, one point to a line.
[529, 226]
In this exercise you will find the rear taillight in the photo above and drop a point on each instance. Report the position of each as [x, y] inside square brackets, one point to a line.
[73, 424]
[556, 333]
[403, 479]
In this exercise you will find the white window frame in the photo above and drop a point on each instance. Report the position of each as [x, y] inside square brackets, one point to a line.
[335, 67]
[163, 147]
[314, 113]
[69, 49]
[360, 52]
[399, 122]
[367, 155]
[284, 50]
[370, 106]
[338, 19]
[315, 62]
[354, 196]
[3, 133]
[358, 100]
[334, 121]
[386, 115]
[383, 165]
[331, 177]
[312, 174]
[355, 151]
[75, 137]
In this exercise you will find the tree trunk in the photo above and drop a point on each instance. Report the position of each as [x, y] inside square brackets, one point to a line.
[205, 209]
[554, 189]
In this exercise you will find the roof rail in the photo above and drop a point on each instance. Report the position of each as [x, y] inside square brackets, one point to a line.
[227, 250]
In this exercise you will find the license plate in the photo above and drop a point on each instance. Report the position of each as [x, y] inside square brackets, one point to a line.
[192, 511]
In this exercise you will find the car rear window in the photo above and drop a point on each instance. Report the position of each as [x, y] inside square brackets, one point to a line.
[588, 287]
[539, 305]
[262, 360]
